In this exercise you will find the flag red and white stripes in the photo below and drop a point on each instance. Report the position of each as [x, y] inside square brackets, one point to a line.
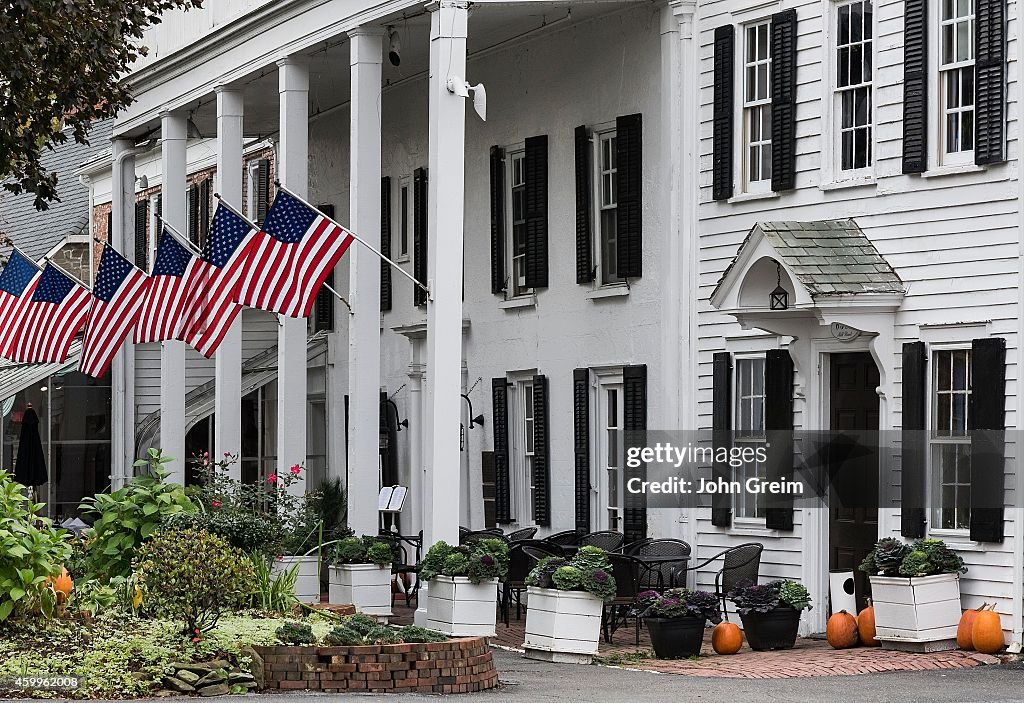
[168, 305]
[287, 262]
[17, 283]
[53, 316]
[117, 299]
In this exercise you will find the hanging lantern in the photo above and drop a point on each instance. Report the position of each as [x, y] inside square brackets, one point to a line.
[779, 298]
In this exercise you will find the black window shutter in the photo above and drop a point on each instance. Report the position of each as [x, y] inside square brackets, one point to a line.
[581, 446]
[584, 192]
[323, 311]
[915, 86]
[193, 213]
[497, 220]
[987, 417]
[721, 427]
[722, 135]
[541, 453]
[204, 209]
[110, 225]
[160, 205]
[913, 447]
[385, 243]
[989, 81]
[141, 240]
[783, 48]
[419, 235]
[778, 425]
[634, 423]
[629, 186]
[535, 167]
[262, 189]
[499, 425]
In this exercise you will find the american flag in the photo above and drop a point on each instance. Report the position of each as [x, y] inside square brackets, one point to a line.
[168, 304]
[222, 265]
[54, 315]
[290, 258]
[17, 283]
[117, 300]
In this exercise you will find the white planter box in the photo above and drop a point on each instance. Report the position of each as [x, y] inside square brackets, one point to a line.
[366, 586]
[562, 626]
[460, 608]
[917, 613]
[307, 585]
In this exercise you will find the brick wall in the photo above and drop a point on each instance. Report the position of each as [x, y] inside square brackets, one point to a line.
[457, 666]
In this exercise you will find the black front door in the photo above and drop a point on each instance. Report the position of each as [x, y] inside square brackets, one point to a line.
[853, 464]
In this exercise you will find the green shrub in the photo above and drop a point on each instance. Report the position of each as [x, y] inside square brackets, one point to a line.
[382, 635]
[249, 532]
[31, 550]
[341, 636]
[350, 550]
[363, 624]
[127, 518]
[192, 576]
[380, 553]
[295, 633]
[417, 634]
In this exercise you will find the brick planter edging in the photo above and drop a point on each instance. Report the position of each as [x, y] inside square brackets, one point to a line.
[456, 666]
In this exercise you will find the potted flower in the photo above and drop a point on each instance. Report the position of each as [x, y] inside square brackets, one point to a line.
[566, 598]
[463, 586]
[771, 612]
[299, 543]
[915, 589]
[676, 620]
[360, 574]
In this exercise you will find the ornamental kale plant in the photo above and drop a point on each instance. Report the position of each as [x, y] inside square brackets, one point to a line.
[676, 603]
[764, 598]
[480, 560]
[540, 575]
[795, 595]
[925, 557]
[589, 570]
[885, 558]
[363, 550]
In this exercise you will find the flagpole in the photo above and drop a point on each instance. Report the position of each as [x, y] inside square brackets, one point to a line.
[181, 238]
[255, 226]
[105, 243]
[359, 239]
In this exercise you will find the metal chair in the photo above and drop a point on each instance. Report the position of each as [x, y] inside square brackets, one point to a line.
[481, 534]
[522, 557]
[740, 567]
[632, 547]
[608, 540]
[403, 569]
[626, 570]
[519, 535]
[569, 538]
[661, 570]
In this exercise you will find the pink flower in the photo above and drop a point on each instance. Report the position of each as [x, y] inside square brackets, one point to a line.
[296, 470]
[217, 503]
[272, 478]
[227, 455]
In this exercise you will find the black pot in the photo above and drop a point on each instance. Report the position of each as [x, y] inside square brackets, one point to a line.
[676, 638]
[774, 630]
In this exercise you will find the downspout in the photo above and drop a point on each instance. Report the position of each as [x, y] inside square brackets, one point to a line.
[1017, 610]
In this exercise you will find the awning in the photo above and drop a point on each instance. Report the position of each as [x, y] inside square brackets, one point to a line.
[16, 377]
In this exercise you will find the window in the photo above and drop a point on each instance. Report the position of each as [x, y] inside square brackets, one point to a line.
[609, 483]
[749, 394]
[252, 190]
[853, 94]
[949, 438]
[956, 81]
[757, 108]
[517, 242]
[522, 488]
[607, 202]
[404, 219]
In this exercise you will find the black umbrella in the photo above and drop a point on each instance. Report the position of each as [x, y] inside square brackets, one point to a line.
[30, 468]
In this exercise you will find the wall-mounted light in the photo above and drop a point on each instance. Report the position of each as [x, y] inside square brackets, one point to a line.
[473, 420]
[142, 182]
[394, 47]
[458, 86]
[779, 298]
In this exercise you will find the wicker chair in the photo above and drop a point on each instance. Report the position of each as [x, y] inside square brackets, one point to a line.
[626, 570]
[569, 538]
[661, 574]
[522, 557]
[740, 566]
[481, 534]
[608, 540]
[519, 535]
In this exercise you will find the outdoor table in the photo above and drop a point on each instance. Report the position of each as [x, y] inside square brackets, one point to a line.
[653, 563]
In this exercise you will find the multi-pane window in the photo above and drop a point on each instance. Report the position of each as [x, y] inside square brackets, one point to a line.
[956, 77]
[853, 84]
[405, 217]
[526, 477]
[757, 106]
[610, 407]
[517, 184]
[750, 430]
[950, 441]
[607, 200]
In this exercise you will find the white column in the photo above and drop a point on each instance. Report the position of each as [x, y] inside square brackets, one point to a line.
[122, 369]
[228, 404]
[293, 172]
[366, 46]
[172, 353]
[445, 202]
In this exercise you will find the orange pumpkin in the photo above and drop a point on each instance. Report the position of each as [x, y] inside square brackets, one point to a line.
[726, 638]
[987, 632]
[62, 584]
[964, 634]
[866, 626]
[841, 630]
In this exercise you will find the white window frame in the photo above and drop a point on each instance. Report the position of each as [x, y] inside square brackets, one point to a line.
[744, 110]
[513, 288]
[739, 509]
[935, 442]
[834, 100]
[403, 219]
[155, 229]
[522, 489]
[937, 92]
[601, 134]
[252, 170]
[604, 380]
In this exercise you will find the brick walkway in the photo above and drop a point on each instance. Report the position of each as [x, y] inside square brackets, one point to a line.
[810, 657]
